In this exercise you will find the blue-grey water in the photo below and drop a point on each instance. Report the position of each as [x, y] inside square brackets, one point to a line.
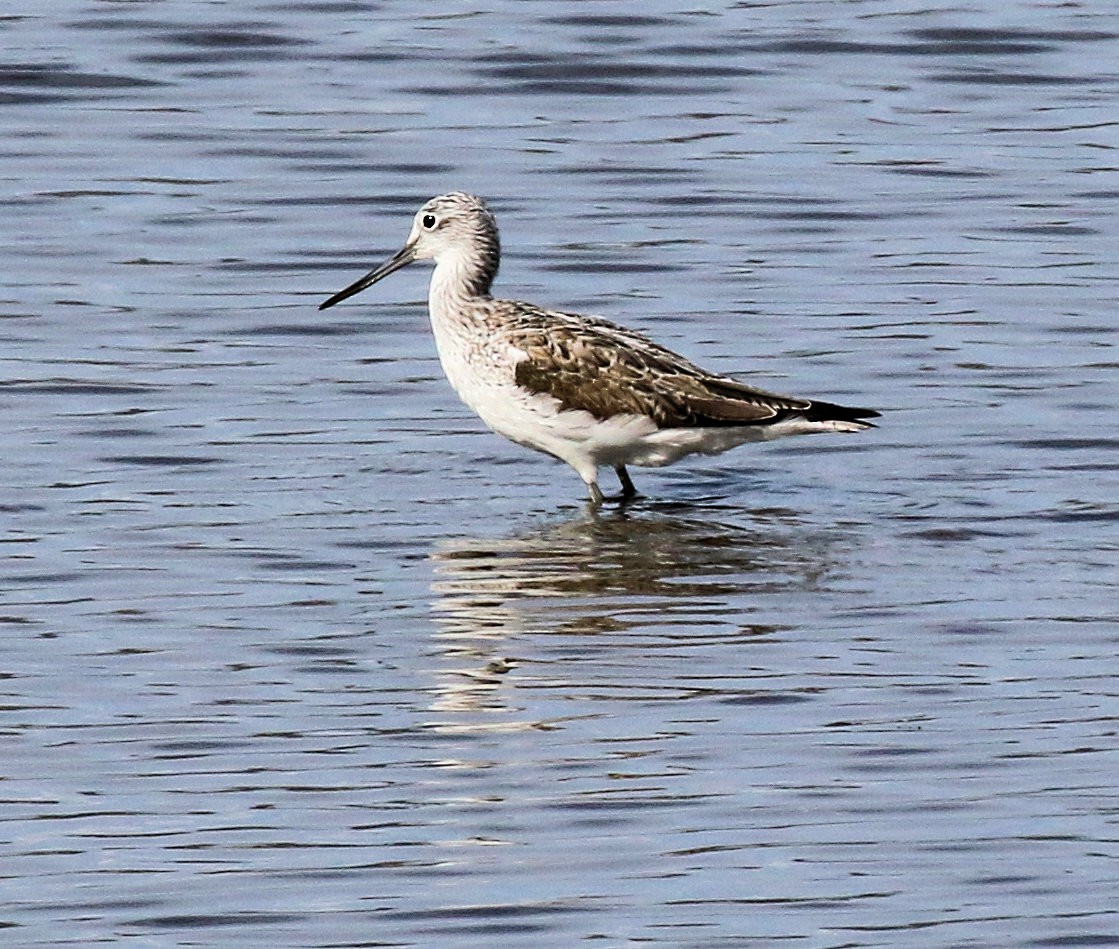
[294, 653]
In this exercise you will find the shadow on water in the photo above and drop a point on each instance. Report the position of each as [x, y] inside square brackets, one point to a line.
[629, 585]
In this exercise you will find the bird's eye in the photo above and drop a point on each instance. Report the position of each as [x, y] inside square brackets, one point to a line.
[428, 221]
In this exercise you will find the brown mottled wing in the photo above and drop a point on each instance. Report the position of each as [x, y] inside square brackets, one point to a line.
[607, 370]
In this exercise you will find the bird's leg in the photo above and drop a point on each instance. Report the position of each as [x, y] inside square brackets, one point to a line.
[596, 493]
[628, 490]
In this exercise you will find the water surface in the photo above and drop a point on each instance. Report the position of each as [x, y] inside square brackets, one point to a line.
[295, 653]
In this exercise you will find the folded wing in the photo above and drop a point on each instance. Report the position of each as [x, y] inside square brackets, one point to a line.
[607, 370]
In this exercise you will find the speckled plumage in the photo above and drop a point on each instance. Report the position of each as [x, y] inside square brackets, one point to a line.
[582, 389]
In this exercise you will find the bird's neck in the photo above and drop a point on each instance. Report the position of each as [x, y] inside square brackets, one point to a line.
[458, 279]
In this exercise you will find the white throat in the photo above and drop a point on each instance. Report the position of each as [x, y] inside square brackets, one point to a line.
[450, 289]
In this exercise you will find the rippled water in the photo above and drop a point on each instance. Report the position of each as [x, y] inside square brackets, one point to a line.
[296, 654]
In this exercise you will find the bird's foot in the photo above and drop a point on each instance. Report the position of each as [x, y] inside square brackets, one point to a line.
[623, 499]
[597, 498]
[629, 492]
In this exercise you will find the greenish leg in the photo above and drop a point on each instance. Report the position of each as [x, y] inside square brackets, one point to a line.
[628, 490]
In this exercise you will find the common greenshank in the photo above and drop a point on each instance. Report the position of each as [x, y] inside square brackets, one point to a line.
[579, 388]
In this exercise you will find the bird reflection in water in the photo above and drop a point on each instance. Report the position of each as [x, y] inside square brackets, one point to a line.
[621, 587]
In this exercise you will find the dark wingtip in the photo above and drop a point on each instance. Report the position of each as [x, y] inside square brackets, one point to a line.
[830, 412]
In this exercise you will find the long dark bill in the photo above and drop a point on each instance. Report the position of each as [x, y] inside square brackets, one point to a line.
[402, 258]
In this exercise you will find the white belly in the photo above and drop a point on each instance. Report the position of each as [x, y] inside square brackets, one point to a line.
[483, 376]
[585, 442]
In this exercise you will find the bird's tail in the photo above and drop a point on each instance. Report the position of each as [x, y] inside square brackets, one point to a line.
[839, 418]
